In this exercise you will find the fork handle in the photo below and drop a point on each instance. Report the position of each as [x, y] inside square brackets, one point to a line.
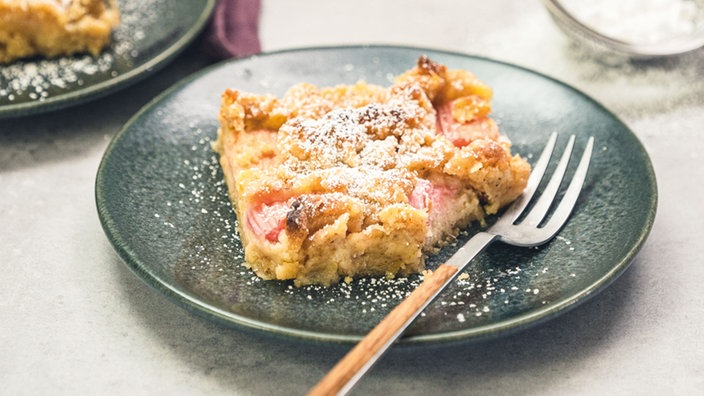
[360, 358]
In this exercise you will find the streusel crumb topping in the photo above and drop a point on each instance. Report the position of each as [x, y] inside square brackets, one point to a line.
[359, 179]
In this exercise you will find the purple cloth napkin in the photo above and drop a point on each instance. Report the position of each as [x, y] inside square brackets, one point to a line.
[234, 29]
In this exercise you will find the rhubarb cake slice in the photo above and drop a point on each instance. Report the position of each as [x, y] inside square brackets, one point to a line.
[363, 180]
[53, 28]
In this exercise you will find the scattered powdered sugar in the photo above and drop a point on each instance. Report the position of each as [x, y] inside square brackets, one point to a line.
[370, 294]
[566, 241]
[36, 79]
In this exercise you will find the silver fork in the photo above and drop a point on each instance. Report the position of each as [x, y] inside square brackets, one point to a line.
[527, 232]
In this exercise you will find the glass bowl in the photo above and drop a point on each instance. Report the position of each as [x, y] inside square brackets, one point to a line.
[634, 28]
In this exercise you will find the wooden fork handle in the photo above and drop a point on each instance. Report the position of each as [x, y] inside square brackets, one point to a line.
[364, 354]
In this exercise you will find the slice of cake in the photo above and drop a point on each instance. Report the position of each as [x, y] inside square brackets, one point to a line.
[52, 28]
[359, 180]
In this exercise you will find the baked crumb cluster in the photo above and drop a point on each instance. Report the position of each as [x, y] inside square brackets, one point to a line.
[363, 180]
[52, 28]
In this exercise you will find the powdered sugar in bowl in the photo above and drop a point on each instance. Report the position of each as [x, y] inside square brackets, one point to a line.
[635, 28]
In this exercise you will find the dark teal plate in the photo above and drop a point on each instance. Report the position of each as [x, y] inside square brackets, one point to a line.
[151, 33]
[164, 206]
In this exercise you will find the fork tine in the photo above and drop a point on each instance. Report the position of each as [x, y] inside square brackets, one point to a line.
[559, 217]
[540, 209]
[536, 176]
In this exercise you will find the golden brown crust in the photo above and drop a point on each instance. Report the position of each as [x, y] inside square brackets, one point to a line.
[361, 180]
[52, 28]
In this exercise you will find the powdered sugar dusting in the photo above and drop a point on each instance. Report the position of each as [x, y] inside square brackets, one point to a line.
[378, 134]
[371, 152]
